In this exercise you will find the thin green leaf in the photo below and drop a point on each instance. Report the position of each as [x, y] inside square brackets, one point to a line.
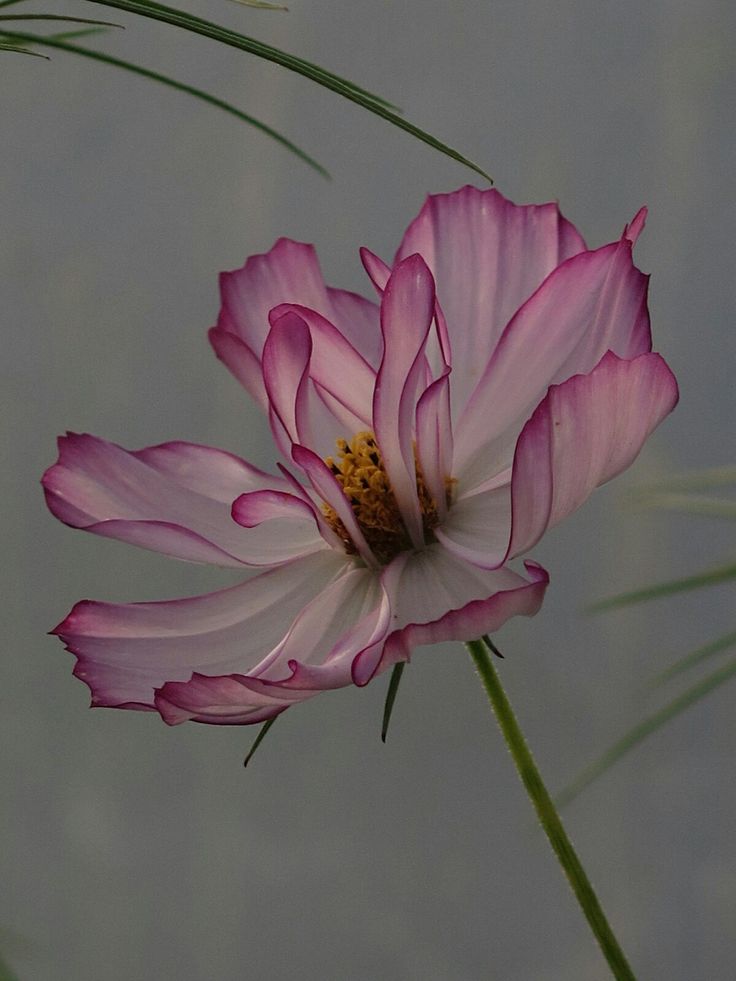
[172, 83]
[9, 3]
[5, 973]
[4, 46]
[74, 35]
[697, 480]
[640, 732]
[691, 503]
[261, 4]
[373, 103]
[72, 20]
[696, 657]
[709, 578]
[491, 646]
[393, 687]
[259, 739]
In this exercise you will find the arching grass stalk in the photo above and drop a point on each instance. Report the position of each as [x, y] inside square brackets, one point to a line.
[547, 813]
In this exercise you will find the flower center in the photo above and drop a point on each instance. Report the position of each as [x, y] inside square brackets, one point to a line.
[358, 468]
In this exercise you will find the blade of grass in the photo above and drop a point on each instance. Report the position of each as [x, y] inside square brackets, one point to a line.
[19, 50]
[172, 83]
[259, 739]
[640, 732]
[373, 103]
[690, 503]
[73, 35]
[708, 578]
[261, 4]
[71, 20]
[393, 687]
[698, 480]
[695, 657]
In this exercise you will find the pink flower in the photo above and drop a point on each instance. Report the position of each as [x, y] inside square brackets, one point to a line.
[428, 440]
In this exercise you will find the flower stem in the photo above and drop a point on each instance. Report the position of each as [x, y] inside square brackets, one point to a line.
[547, 814]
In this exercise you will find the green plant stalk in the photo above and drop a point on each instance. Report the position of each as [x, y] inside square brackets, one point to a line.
[547, 813]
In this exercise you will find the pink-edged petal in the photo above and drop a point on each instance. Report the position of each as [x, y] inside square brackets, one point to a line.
[326, 486]
[434, 440]
[173, 498]
[378, 271]
[594, 302]
[635, 227]
[335, 365]
[348, 620]
[487, 257]
[438, 597]
[241, 362]
[223, 701]
[583, 433]
[407, 311]
[206, 470]
[298, 412]
[288, 273]
[283, 518]
[477, 527]
[125, 652]
[336, 640]
[358, 320]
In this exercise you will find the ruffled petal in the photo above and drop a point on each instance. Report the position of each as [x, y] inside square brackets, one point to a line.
[583, 433]
[358, 320]
[174, 498]
[288, 273]
[407, 311]
[438, 597]
[487, 257]
[339, 633]
[592, 303]
[299, 413]
[326, 486]
[434, 440]
[125, 652]
[478, 526]
[335, 365]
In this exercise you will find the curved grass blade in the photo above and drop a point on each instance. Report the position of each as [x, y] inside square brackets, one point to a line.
[698, 480]
[71, 20]
[8, 3]
[708, 578]
[20, 50]
[373, 103]
[5, 973]
[695, 657]
[491, 646]
[72, 35]
[690, 503]
[261, 4]
[259, 739]
[172, 83]
[393, 687]
[640, 732]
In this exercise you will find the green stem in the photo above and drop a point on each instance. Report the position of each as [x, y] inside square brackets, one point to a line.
[547, 814]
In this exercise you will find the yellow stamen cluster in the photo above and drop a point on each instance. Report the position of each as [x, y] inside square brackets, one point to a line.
[358, 468]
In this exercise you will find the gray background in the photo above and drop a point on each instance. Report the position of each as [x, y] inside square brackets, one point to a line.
[135, 851]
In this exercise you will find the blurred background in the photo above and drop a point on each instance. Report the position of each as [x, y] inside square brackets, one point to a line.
[136, 851]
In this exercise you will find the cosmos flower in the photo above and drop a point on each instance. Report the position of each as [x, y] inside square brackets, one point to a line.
[428, 440]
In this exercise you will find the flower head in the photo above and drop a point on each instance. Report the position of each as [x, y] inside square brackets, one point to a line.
[428, 439]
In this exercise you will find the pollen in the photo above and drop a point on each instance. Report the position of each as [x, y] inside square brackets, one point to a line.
[358, 468]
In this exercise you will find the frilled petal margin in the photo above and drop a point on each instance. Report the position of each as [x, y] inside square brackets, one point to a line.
[174, 498]
[421, 598]
[125, 652]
